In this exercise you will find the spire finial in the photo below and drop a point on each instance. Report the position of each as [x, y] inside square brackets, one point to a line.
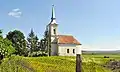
[52, 5]
[53, 12]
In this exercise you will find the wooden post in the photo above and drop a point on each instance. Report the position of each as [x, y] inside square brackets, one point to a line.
[17, 69]
[78, 59]
[78, 63]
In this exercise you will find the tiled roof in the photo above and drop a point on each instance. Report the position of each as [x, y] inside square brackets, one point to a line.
[67, 39]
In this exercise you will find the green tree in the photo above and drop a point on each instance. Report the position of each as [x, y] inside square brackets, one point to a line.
[6, 48]
[0, 33]
[47, 42]
[43, 47]
[32, 42]
[19, 42]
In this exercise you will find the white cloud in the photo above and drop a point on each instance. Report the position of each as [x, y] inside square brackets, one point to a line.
[15, 13]
[17, 9]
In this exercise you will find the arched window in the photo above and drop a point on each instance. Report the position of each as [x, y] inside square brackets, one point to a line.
[54, 30]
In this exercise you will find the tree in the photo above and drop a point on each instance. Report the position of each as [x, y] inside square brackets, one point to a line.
[47, 37]
[0, 33]
[32, 42]
[6, 48]
[18, 40]
[45, 43]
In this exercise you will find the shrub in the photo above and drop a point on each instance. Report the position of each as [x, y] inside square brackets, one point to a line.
[36, 54]
[6, 48]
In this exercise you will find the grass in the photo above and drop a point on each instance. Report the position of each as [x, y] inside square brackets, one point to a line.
[90, 63]
[53, 64]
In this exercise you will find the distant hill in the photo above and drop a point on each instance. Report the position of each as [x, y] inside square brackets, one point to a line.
[102, 52]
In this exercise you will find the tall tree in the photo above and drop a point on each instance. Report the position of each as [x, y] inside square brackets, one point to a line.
[18, 40]
[43, 45]
[46, 42]
[32, 42]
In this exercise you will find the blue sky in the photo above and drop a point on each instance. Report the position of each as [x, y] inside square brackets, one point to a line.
[95, 23]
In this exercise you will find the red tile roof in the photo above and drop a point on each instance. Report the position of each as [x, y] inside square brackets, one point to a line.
[67, 39]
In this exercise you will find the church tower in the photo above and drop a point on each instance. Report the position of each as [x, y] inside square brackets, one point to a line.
[53, 25]
[52, 28]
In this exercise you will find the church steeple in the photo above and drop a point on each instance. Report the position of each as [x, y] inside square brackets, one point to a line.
[53, 13]
[52, 26]
[53, 18]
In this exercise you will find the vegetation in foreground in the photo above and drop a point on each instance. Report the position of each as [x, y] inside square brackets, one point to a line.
[91, 63]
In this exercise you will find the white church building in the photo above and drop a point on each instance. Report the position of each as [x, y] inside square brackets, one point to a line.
[61, 45]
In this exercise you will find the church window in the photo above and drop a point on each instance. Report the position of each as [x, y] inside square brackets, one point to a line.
[67, 50]
[73, 50]
[54, 30]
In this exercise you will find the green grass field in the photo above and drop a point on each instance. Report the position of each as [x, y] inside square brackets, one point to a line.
[90, 63]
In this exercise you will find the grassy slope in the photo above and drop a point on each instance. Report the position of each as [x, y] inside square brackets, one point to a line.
[91, 63]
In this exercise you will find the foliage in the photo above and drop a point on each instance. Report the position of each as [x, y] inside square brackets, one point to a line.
[45, 43]
[15, 64]
[6, 48]
[36, 54]
[18, 41]
[113, 64]
[0, 33]
[33, 43]
[48, 40]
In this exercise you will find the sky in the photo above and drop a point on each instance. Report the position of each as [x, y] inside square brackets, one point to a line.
[94, 23]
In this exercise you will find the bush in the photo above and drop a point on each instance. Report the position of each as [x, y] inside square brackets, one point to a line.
[6, 48]
[106, 56]
[36, 54]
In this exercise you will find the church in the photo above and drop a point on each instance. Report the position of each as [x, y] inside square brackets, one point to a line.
[61, 45]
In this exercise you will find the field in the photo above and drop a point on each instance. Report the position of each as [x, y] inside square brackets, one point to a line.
[90, 63]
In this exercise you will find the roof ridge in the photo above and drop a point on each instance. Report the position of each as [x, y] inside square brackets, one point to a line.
[65, 35]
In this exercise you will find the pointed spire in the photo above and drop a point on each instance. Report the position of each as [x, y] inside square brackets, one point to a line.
[53, 19]
[53, 13]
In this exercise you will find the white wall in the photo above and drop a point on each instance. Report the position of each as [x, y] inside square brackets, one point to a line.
[54, 27]
[62, 49]
[54, 49]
